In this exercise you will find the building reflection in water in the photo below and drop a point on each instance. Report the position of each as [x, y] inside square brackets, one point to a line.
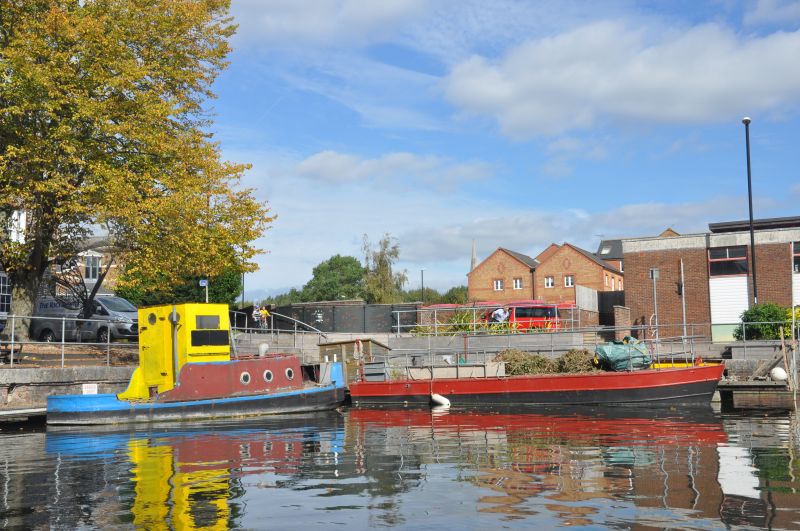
[580, 467]
[577, 463]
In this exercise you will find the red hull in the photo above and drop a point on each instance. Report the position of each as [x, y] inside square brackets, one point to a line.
[692, 385]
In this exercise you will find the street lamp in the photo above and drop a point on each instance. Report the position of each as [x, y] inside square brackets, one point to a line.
[654, 274]
[422, 283]
[746, 122]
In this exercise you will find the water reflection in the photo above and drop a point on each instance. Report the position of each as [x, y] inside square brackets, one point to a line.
[598, 468]
[191, 477]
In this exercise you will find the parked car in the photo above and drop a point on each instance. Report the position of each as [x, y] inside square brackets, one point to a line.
[112, 315]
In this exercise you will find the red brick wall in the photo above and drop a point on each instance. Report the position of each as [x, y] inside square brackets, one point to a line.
[499, 266]
[567, 261]
[622, 322]
[773, 273]
[639, 287]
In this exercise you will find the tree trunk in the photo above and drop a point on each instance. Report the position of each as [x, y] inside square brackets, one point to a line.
[23, 298]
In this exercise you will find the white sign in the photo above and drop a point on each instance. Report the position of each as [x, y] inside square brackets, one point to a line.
[89, 388]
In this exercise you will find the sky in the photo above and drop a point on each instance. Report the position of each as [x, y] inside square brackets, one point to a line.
[509, 123]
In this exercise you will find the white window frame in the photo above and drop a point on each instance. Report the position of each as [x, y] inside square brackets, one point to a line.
[497, 285]
[549, 282]
[517, 283]
[569, 281]
[91, 264]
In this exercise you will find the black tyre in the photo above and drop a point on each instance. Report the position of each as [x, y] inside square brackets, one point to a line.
[102, 335]
[47, 336]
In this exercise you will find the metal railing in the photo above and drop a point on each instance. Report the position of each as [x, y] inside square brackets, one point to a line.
[68, 341]
[72, 346]
[473, 319]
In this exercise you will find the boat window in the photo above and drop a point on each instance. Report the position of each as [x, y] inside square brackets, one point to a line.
[207, 322]
[245, 378]
[209, 338]
[267, 375]
[289, 374]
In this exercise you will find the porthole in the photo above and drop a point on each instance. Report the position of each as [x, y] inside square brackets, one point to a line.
[268, 375]
[289, 374]
[244, 378]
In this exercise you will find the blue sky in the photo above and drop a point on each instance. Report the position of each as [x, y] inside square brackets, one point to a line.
[509, 123]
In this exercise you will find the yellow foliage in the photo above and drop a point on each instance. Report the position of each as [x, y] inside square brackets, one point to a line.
[103, 124]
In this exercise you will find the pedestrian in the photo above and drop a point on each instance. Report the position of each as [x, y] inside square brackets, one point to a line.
[257, 316]
[499, 315]
[264, 313]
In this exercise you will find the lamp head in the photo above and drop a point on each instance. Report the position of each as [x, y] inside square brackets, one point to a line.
[746, 120]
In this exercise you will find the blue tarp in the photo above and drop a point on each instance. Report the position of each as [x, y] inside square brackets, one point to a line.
[626, 355]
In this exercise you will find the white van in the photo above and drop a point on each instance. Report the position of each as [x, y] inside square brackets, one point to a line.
[112, 315]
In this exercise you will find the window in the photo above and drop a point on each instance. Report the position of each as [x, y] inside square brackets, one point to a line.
[92, 267]
[543, 311]
[498, 285]
[726, 261]
[620, 285]
[569, 281]
[606, 279]
[796, 257]
[613, 284]
[517, 283]
[549, 282]
[605, 250]
[5, 294]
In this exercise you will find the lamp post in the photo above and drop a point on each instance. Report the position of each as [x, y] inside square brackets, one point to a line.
[422, 283]
[654, 276]
[746, 122]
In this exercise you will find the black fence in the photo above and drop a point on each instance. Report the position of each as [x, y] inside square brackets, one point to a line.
[348, 317]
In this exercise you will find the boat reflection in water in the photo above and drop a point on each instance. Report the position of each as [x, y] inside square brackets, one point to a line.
[569, 465]
[192, 476]
[595, 467]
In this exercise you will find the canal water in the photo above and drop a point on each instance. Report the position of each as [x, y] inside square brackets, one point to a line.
[418, 469]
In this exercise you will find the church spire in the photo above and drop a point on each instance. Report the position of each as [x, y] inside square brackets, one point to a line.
[474, 260]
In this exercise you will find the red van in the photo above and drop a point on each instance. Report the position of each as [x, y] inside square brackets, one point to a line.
[527, 315]
[533, 315]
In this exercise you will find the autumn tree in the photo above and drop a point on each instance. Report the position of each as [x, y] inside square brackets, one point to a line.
[381, 283]
[102, 124]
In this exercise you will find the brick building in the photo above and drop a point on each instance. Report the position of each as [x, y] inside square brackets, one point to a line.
[504, 275]
[552, 276]
[562, 267]
[717, 281]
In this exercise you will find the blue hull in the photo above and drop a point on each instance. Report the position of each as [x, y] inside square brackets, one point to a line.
[108, 409]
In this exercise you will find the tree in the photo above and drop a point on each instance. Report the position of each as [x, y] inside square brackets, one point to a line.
[456, 295]
[339, 277]
[223, 288]
[103, 125]
[381, 284]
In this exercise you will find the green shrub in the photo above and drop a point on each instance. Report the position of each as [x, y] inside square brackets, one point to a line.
[764, 322]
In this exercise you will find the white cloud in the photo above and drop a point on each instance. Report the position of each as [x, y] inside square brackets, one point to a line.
[773, 12]
[398, 169]
[609, 72]
[321, 22]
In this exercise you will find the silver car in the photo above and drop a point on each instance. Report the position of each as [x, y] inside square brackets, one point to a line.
[112, 315]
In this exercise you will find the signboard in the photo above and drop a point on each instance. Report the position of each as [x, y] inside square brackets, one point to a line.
[89, 388]
[203, 282]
